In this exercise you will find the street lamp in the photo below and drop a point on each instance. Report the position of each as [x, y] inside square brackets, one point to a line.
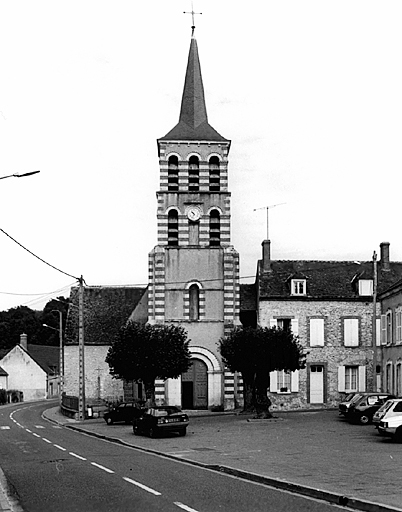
[61, 355]
[19, 175]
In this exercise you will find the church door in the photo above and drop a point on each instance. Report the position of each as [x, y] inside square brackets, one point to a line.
[194, 386]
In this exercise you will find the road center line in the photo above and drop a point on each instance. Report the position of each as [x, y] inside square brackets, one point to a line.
[77, 456]
[35, 434]
[102, 467]
[30, 431]
[59, 447]
[144, 487]
[46, 440]
[184, 507]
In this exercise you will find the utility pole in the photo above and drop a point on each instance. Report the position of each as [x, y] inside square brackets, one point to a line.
[81, 350]
[374, 328]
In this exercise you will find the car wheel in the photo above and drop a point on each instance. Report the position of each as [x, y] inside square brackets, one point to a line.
[364, 419]
[109, 421]
[182, 432]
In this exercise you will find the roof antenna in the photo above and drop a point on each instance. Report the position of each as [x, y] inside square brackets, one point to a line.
[267, 208]
[192, 17]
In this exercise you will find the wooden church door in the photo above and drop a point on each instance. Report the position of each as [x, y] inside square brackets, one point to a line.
[194, 386]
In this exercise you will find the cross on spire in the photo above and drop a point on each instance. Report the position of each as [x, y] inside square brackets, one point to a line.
[192, 17]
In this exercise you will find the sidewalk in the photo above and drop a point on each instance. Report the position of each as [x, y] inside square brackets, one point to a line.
[311, 453]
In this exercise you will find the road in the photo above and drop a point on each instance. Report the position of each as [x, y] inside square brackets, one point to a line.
[52, 468]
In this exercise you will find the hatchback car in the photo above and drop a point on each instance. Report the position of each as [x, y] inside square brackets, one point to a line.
[125, 412]
[345, 404]
[157, 420]
[363, 409]
[388, 419]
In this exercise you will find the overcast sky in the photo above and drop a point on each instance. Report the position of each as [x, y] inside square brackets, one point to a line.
[309, 93]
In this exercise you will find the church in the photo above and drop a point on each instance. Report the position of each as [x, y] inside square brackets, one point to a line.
[193, 270]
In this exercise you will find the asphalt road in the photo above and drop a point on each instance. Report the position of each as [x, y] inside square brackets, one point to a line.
[51, 468]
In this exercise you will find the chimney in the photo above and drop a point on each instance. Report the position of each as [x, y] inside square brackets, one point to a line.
[24, 341]
[266, 256]
[384, 248]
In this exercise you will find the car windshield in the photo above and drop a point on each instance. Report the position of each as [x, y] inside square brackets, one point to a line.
[356, 398]
[349, 397]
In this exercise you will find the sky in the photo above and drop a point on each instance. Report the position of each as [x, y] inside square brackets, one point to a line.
[309, 93]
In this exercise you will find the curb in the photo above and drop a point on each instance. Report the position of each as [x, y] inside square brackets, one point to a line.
[302, 490]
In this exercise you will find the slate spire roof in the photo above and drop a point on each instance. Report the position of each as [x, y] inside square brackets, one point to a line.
[193, 121]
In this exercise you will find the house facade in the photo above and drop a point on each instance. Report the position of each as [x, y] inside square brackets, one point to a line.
[329, 305]
[32, 370]
[194, 269]
[391, 339]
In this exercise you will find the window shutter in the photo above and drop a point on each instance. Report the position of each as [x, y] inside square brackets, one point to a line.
[383, 329]
[341, 378]
[294, 381]
[351, 332]
[316, 332]
[378, 332]
[294, 324]
[362, 378]
[273, 382]
[273, 322]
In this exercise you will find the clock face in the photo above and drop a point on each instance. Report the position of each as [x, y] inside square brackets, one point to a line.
[193, 213]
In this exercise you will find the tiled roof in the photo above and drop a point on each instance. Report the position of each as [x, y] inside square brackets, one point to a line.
[106, 309]
[325, 279]
[248, 297]
[46, 356]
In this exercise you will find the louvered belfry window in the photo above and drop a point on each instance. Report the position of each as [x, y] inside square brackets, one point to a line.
[214, 228]
[173, 174]
[193, 174]
[173, 228]
[214, 174]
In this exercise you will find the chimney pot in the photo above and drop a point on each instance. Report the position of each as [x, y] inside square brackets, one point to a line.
[384, 252]
[24, 341]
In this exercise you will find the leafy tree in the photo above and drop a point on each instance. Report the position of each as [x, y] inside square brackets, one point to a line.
[146, 352]
[255, 352]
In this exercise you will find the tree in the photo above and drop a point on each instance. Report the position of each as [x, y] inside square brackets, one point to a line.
[146, 352]
[255, 352]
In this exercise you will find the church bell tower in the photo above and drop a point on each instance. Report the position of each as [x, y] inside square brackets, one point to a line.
[194, 269]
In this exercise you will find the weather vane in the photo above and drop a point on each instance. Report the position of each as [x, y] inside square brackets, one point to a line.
[192, 17]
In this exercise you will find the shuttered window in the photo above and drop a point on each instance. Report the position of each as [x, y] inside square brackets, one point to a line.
[351, 332]
[316, 332]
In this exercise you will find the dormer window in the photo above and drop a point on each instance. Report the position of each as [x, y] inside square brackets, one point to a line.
[365, 287]
[299, 287]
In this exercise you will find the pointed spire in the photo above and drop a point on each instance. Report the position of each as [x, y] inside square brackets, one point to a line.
[193, 121]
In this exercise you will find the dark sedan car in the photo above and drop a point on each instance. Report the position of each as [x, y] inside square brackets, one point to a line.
[363, 409]
[125, 412]
[157, 420]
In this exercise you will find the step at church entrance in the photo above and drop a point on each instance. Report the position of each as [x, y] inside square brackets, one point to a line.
[194, 386]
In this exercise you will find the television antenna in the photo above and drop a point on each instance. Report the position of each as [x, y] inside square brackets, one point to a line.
[267, 208]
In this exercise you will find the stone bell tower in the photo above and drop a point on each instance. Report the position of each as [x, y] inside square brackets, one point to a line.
[194, 269]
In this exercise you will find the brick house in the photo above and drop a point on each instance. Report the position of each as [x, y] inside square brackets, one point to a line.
[329, 305]
[391, 338]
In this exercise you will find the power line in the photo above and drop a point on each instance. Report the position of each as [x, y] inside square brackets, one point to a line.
[40, 259]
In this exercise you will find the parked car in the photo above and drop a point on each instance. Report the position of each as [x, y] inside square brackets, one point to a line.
[125, 412]
[157, 420]
[391, 408]
[345, 404]
[363, 409]
[390, 422]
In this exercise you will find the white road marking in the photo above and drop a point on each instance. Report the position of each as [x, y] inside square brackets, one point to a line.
[39, 426]
[184, 507]
[77, 456]
[4, 428]
[102, 467]
[59, 447]
[30, 431]
[46, 440]
[152, 491]
[35, 434]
